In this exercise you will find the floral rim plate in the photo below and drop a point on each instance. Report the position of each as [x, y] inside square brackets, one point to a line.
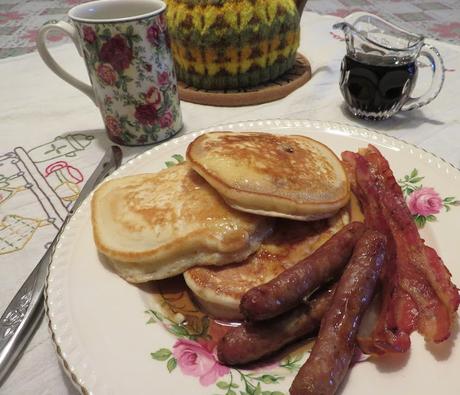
[110, 341]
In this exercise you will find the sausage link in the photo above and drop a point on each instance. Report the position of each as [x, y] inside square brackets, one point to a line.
[253, 341]
[334, 347]
[287, 290]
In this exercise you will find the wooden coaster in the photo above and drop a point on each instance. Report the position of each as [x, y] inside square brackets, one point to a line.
[270, 91]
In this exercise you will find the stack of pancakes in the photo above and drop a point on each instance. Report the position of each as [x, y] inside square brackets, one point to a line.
[241, 209]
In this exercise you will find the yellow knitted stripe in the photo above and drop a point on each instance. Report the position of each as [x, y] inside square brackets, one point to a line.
[203, 17]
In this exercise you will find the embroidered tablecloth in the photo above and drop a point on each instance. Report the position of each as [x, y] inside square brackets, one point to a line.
[52, 138]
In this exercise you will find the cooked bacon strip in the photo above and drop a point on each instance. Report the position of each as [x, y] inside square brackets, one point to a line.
[386, 337]
[417, 290]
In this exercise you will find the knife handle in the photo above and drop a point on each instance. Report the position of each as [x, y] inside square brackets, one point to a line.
[22, 316]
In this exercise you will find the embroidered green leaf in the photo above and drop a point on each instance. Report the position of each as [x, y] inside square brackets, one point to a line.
[161, 355]
[230, 392]
[170, 163]
[171, 365]
[258, 390]
[449, 199]
[430, 218]
[413, 173]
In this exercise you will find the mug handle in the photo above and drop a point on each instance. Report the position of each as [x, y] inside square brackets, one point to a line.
[437, 81]
[69, 30]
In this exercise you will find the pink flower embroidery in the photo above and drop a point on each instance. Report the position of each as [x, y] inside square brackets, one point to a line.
[107, 74]
[89, 34]
[195, 360]
[10, 16]
[117, 52]
[154, 96]
[113, 126]
[447, 30]
[424, 201]
[166, 120]
[53, 36]
[163, 78]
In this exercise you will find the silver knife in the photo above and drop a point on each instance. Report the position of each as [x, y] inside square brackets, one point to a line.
[25, 311]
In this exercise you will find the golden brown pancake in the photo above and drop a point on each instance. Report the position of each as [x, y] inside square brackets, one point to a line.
[219, 289]
[154, 226]
[275, 175]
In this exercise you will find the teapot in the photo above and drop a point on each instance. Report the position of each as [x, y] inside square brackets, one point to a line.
[380, 69]
[233, 44]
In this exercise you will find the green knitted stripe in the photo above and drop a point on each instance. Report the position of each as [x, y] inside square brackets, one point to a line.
[222, 80]
[221, 50]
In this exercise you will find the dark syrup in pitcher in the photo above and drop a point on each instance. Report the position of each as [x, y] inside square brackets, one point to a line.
[374, 90]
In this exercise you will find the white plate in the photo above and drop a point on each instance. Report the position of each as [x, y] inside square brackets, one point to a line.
[99, 324]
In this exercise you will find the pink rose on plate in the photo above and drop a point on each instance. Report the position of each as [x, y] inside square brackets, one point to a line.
[107, 74]
[424, 201]
[197, 361]
[163, 78]
[117, 52]
[166, 120]
[89, 34]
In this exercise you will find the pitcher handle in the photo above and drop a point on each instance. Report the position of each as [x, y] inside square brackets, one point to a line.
[70, 31]
[437, 81]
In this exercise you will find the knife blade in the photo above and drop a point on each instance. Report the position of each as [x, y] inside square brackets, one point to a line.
[24, 313]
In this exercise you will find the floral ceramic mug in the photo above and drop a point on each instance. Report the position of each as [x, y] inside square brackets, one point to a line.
[127, 52]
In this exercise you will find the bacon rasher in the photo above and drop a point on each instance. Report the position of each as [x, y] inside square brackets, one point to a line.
[416, 288]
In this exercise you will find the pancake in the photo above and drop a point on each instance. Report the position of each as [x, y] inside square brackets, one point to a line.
[219, 289]
[275, 175]
[154, 226]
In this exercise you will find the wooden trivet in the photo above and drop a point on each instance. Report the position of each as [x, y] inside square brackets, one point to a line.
[270, 91]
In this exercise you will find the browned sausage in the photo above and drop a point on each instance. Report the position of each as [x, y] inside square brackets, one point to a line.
[287, 290]
[334, 347]
[252, 341]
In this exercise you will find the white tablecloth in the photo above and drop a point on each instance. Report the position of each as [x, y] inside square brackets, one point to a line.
[52, 137]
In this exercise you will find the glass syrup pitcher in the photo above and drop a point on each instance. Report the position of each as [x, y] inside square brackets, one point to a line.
[379, 71]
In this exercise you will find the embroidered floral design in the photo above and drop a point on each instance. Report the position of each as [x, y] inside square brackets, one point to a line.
[424, 202]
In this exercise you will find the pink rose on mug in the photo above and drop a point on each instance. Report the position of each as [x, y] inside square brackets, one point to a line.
[153, 34]
[166, 120]
[424, 201]
[146, 114]
[154, 96]
[107, 74]
[163, 78]
[117, 52]
[89, 34]
[195, 360]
